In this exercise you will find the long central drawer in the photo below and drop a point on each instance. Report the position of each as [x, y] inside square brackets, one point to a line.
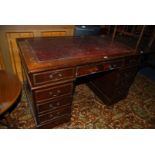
[98, 67]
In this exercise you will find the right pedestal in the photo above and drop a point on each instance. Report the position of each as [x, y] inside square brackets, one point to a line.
[112, 86]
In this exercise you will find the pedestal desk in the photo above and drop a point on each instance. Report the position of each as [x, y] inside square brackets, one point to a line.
[53, 64]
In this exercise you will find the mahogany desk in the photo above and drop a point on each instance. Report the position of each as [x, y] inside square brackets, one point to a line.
[53, 64]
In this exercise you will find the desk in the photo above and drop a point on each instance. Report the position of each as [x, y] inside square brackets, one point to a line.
[53, 64]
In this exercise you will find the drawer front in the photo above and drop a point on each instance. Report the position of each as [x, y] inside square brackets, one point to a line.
[53, 76]
[54, 123]
[54, 104]
[46, 94]
[54, 115]
[96, 68]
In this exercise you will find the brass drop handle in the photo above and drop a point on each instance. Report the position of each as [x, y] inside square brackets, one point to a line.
[114, 65]
[111, 67]
[58, 103]
[51, 115]
[94, 70]
[58, 91]
[51, 105]
[51, 76]
[56, 74]
[60, 75]
[50, 93]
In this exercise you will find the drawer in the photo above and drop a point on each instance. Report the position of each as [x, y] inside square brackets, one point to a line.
[54, 104]
[53, 76]
[54, 123]
[96, 68]
[46, 94]
[54, 115]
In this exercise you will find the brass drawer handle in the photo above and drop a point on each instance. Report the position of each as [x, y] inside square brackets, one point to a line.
[51, 116]
[52, 106]
[58, 91]
[58, 103]
[56, 74]
[94, 70]
[111, 67]
[50, 93]
[60, 75]
[50, 76]
[114, 65]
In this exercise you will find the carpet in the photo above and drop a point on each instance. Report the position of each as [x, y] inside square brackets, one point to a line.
[137, 111]
[149, 72]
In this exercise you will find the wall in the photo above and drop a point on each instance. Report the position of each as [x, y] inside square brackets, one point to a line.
[1, 61]
[9, 53]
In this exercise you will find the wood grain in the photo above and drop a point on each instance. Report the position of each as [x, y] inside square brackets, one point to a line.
[1, 62]
[10, 88]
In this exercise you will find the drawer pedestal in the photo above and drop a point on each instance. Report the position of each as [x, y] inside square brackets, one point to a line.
[50, 102]
[112, 86]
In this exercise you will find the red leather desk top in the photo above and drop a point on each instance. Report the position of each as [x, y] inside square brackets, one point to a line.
[61, 51]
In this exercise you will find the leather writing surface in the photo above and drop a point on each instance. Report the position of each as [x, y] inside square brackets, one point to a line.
[55, 48]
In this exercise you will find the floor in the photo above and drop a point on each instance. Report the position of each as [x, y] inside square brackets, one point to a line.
[89, 112]
[148, 72]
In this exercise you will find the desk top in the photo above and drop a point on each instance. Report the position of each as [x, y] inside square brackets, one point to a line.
[57, 52]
